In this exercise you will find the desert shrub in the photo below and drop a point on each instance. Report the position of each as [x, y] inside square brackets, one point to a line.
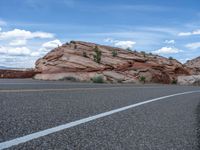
[128, 49]
[119, 81]
[171, 58]
[114, 53]
[69, 78]
[143, 53]
[97, 79]
[174, 81]
[143, 79]
[97, 55]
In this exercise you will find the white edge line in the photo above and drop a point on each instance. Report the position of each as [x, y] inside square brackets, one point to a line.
[26, 138]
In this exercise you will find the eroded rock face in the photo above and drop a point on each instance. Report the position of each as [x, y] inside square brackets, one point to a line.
[189, 80]
[194, 65]
[76, 59]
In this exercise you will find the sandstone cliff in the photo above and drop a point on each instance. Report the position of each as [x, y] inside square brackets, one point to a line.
[194, 64]
[77, 60]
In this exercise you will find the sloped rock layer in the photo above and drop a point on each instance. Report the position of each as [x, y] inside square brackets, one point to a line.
[75, 60]
[194, 65]
[189, 80]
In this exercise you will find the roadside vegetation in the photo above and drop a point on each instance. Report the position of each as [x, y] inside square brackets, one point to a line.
[97, 55]
[174, 81]
[143, 79]
[97, 79]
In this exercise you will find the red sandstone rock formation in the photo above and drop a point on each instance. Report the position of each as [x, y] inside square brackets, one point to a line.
[194, 65]
[76, 60]
[17, 73]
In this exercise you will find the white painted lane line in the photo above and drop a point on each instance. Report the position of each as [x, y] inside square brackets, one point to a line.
[20, 140]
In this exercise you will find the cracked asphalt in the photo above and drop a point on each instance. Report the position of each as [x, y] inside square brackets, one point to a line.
[171, 123]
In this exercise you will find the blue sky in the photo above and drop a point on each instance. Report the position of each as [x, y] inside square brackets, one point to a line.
[31, 28]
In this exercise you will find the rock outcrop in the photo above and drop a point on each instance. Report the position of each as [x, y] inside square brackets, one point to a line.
[76, 60]
[17, 73]
[189, 80]
[194, 65]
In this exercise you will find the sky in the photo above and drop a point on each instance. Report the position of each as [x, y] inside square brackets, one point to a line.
[31, 28]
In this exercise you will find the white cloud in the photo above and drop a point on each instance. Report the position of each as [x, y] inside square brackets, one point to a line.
[184, 34]
[193, 45]
[169, 41]
[0, 29]
[167, 50]
[121, 44]
[17, 62]
[35, 54]
[125, 44]
[184, 60]
[2, 22]
[15, 51]
[51, 45]
[195, 32]
[23, 34]
[110, 40]
[18, 43]
[18, 51]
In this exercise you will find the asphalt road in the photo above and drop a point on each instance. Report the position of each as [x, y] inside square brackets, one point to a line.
[28, 107]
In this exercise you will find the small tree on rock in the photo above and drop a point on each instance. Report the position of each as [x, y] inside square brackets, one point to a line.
[97, 55]
[114, 53]
[143, 53]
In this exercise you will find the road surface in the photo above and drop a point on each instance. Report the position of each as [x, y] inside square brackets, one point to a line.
[72, 116]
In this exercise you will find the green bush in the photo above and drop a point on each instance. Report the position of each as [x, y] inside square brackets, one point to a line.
[97, 79]
[143, 79]
[128, 49]
[114, 53]
[174, 81]
[97, 55]
[119, 81]
[171, 58]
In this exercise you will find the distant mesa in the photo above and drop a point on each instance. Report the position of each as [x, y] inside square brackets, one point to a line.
[17, 73]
